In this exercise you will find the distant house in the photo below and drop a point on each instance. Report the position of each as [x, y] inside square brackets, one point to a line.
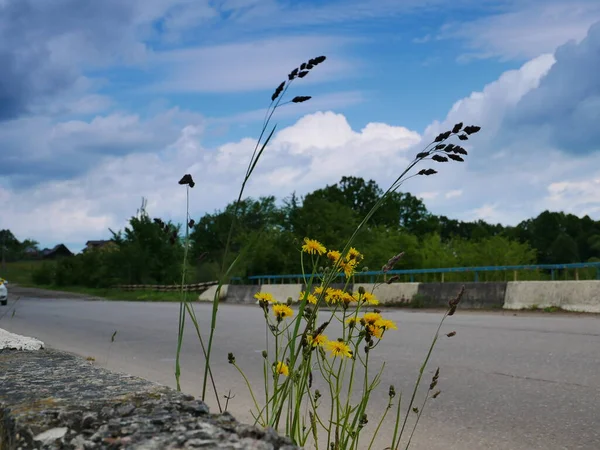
[99, 244]
[58, 251]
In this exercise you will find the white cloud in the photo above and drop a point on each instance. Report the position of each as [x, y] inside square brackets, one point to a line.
[251, 65]
[532, 173]
[454, 193]
[579, 197]
[526, 30]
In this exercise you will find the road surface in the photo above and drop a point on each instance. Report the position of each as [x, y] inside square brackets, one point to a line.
[509, 382]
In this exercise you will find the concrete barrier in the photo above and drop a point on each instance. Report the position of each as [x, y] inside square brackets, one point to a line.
[582, 296]
[209, 294]
[54, 400]
[281, 292]
[477, 295]
[395, 293]
[241, 293]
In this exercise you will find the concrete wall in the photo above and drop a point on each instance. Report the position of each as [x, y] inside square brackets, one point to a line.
[281, 292]
[241, 293]
[209, 294]
[477, 295]
[394, 293]
[583, 296]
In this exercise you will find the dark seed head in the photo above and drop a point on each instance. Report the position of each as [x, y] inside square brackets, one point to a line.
[461, 151]
[455, 157]
[187, 179]
[422, 155]
[439, 158]
[303, 74]
[301, 98]
[471, 129]
[303, 66]
[427, 172]
[457, 127]
[191, 223]
[440, 146]
[278, 91]
[463, 137]
[442, 136]
[452, 333]
[392, 279]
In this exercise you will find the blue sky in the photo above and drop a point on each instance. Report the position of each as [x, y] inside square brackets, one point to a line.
[102, 103]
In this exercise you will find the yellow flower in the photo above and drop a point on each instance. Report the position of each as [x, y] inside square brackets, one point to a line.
[282, 369]
[371, 317]
[386, 324]
[374, 330]
[318, 290]
[338, 348]
[366, 297]
[371, 299]
[311, 298]
[318, 341]
[334, 255]
[313, 247]
[347, 298]
[265, 297]
[333, 296]
[349, 267]
[282, 311]
[352, 321]
[354, 254]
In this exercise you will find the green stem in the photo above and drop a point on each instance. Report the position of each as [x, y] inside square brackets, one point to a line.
[251, 393]
[412, 399]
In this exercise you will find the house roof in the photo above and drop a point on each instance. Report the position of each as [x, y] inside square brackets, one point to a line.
[98, 242]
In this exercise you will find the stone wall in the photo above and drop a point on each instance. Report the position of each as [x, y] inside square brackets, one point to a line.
[54, 400]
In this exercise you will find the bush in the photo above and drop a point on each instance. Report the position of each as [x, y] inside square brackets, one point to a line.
[44, 274]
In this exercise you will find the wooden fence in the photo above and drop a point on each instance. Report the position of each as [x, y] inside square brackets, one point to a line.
[198, 287]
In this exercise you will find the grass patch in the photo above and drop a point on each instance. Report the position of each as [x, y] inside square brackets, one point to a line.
[20, 272]
[117, 294]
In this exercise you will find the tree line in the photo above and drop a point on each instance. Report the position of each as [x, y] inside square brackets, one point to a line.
[269, 235]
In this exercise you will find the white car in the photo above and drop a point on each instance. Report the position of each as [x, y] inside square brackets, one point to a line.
[3, 292]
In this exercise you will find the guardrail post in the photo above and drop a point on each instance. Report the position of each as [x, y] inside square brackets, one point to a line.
[514, 275]
[412, 278]
[552, 274]
[442, 277]
[576, 274]
[476, 276]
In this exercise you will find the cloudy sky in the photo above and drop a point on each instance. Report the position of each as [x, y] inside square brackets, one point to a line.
[103, 102]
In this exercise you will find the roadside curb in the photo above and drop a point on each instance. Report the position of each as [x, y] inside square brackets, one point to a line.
[55, 400]
[11, 341]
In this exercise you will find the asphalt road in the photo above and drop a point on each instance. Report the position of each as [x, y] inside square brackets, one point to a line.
[508, 382]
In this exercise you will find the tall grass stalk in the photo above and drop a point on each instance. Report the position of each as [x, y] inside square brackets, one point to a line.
[300, 345]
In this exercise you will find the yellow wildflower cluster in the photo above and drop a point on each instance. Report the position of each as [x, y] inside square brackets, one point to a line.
[264, 297]
[282, 311]
[347, 264]
[373, 323]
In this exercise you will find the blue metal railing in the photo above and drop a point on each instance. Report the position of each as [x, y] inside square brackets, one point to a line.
[268, 279]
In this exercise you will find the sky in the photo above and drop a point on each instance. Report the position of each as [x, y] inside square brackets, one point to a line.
[103, 103]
